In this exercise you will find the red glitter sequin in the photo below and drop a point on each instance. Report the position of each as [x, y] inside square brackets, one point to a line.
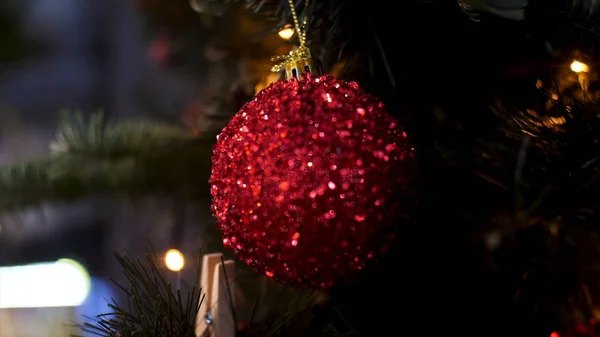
[304, 178]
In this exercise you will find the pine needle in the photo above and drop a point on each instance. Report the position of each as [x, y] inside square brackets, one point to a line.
[153, 309]
[96, 157]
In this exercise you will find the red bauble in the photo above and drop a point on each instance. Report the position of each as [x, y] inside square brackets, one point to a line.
[305, 179]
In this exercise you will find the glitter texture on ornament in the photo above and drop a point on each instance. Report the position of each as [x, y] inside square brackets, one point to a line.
[305, 180]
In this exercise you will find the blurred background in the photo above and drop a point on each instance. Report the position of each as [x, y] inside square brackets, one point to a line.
[146, 59]
[193, 63]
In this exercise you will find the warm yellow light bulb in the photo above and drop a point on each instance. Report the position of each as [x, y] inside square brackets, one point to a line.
[579, 67]
[286, 33]
[174, 260]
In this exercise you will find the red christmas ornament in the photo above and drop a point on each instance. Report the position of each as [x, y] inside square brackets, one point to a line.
[304, 180]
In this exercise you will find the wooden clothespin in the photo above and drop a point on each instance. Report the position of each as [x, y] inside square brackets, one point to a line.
[216, 316]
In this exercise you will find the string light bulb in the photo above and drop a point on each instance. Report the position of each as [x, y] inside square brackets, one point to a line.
[579, 67]
[286, 32]
[174, 260]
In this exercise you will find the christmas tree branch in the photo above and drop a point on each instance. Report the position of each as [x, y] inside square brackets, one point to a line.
[95, 137]
[154, 307]
[95, 157]
[334, 36]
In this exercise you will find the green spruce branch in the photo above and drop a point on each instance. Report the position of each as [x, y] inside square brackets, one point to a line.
[153, 307]
[92, 156]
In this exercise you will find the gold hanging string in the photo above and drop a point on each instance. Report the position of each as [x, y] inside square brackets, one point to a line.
[302, 52]
[300, 29]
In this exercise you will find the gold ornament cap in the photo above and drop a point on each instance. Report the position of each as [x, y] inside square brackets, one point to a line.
[297, 62]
